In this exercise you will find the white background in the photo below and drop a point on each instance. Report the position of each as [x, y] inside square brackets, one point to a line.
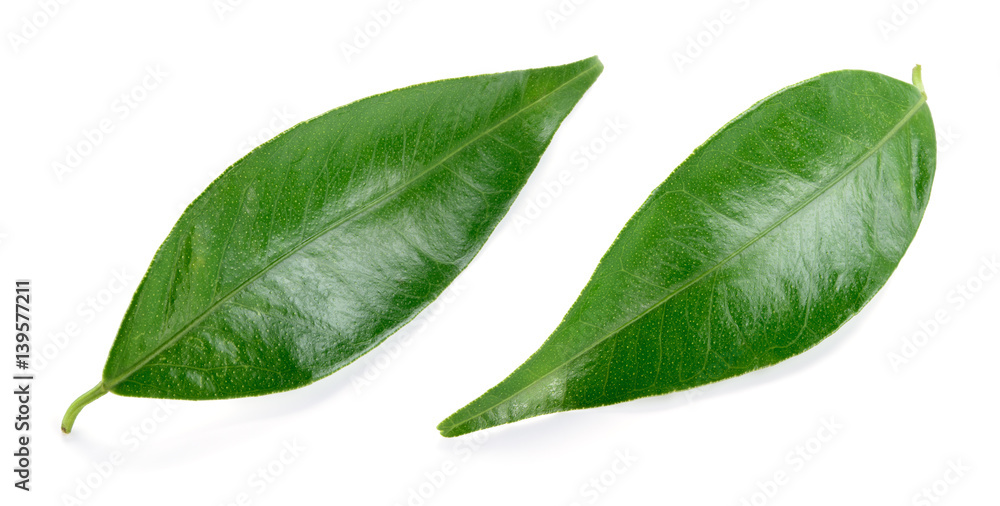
[229, 76]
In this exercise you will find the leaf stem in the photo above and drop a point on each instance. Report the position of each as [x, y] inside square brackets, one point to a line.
[918, 81]
[74, 409]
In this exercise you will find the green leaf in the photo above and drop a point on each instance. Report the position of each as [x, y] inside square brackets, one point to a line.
[322, 242]
[766, 240]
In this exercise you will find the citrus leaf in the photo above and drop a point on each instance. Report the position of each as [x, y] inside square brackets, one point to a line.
[766, 240]
[322, 242]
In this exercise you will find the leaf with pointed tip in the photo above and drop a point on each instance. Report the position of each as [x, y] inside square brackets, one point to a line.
[766, 240]
[322, 242]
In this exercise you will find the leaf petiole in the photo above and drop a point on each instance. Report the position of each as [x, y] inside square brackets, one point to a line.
[74, 409]
[918, 81]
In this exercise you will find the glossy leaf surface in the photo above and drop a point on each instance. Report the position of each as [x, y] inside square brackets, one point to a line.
[322, 242]
[767, 239]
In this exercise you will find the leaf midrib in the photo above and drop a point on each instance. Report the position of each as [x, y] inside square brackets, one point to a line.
[110, 384]
[812, 198]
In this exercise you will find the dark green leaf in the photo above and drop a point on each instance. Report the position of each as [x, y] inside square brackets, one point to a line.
[767, 239]
[322, 242]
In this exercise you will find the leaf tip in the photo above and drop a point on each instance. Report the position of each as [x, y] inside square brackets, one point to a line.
[445, 429]
[450, 428]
